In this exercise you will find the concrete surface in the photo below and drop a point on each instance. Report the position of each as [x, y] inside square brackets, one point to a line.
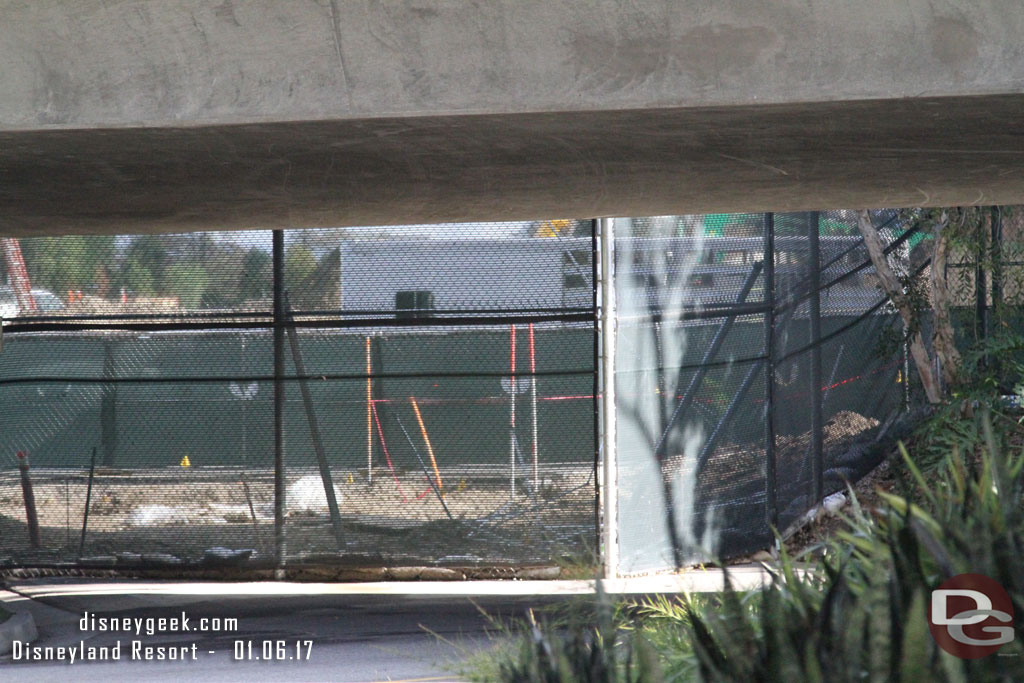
[183, 115]
[743, 577]
[353, 639]
[884, 153]
[94, 63]
[360, 632]
[19, 626]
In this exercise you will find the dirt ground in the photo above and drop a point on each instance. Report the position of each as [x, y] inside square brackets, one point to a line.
[177, 514]
[398, 518]
[811, 535]
[886, 477]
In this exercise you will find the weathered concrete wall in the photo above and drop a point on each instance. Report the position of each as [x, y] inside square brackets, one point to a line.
[139, 62]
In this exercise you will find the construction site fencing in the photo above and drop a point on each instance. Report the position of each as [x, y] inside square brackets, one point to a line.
[750, 378]
[371, 397]
[435, 395]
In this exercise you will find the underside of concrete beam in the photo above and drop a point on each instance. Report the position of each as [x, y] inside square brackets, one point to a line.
[906, 152]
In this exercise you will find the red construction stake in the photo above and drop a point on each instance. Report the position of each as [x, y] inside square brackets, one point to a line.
[30, 500]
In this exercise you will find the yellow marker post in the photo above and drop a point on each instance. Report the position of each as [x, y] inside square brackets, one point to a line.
[426, 439]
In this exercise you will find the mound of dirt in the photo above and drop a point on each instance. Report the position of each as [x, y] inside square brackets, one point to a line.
[846, 423]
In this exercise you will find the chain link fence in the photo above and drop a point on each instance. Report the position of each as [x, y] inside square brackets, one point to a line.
[437, 385]
[412, 395]
[750, 378]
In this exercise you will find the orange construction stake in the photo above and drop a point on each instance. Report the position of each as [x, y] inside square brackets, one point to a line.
[426, 439]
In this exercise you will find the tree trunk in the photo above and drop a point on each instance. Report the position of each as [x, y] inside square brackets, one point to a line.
[894, 290]
[942, 339]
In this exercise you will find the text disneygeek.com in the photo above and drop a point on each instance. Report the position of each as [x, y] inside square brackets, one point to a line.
[136, 649]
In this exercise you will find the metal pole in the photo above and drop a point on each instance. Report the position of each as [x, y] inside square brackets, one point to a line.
[698, 378]
[737, 398]
[245, 396]
[31, 517]
[377, 361]
[369, 413]
[423, 465]
[817, 447]
[607, 380]
[513, 387]
[997, 256]
[279, 396]
[533, 410]
[314, 428]
[771, 511]
[595, 256]
[88, 501]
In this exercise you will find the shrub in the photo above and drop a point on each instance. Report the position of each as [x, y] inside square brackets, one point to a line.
[858, 613]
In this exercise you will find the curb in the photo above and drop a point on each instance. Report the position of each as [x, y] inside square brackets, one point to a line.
[21, 627]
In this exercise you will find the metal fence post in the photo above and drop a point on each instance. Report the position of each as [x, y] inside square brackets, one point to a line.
[279, 395]
[771, 511]
[814, 263]
[609, 498]
[314, 426]
[595, 270]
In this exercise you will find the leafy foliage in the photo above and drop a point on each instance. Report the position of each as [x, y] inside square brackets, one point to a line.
[858, 613]
[299, 264]
[71, 262]
[188, 282]
[255, 280]
[957, 425]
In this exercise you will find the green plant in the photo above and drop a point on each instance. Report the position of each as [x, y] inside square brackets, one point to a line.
[957, 425]
[605, 652]
[858, 613]
[582, 562]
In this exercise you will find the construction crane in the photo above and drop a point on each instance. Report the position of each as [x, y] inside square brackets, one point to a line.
[17, 273]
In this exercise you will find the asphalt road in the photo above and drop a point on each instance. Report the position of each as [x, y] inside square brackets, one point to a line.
[278, 637]
[414, 631]
[284, 632]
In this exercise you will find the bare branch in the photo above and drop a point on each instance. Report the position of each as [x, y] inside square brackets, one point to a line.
[894, 290]
[942, 336]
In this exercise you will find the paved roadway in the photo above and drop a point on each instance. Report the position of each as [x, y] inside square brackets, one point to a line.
[359, 632]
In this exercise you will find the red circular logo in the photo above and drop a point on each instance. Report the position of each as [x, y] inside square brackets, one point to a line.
[970, 616]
